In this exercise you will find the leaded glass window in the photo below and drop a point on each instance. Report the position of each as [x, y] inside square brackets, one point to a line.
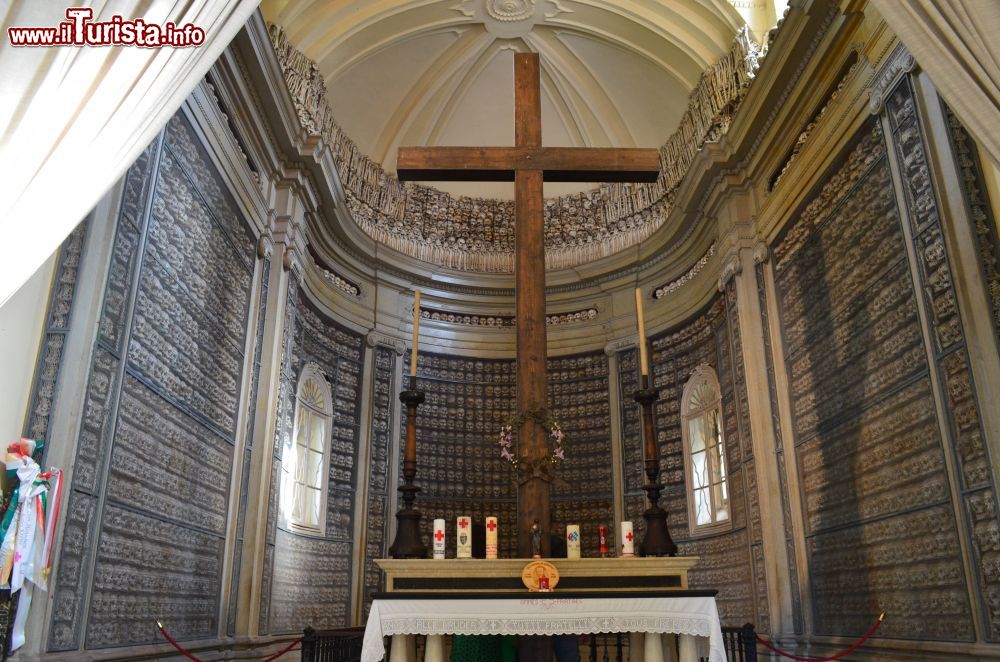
[305, 455]
[705, 453]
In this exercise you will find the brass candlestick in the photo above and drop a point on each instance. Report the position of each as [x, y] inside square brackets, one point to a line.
[407, 544]
[657, 541]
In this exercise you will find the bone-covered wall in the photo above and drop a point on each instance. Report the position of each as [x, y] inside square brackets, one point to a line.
[148, 503]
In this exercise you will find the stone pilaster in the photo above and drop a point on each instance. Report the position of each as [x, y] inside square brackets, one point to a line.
[739, 272]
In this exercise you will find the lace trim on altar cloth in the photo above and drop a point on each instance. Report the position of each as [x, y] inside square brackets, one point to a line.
[554, 626]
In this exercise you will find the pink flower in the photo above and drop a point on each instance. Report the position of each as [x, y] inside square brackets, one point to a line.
[505, 454]
[559, 453]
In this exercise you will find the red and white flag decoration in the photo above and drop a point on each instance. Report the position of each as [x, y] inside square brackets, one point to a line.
[27, 529]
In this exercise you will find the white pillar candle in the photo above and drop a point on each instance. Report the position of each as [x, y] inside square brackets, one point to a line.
[416, 333]
[463, 537]
[643, 359]
[628, 539]
[491, 537]
[572, 541]
[439, 539]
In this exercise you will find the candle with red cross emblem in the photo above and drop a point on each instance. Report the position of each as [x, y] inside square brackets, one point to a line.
[463, 537]
[572, 541]
[438, 537]
[491, 537]
[628, 539]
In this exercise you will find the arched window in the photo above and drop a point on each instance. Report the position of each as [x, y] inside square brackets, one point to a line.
[305, 457]
[705, 453]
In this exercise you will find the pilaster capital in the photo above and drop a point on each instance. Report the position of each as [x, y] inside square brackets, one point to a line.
[378, 339]
[761, 253]
[265, 246]
[615, 346]
[731, 267]
[899, 63]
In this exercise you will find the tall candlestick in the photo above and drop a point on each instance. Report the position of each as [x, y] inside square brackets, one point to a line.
[643, 359]
[416, 333]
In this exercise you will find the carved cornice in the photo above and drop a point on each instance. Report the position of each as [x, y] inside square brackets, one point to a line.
[674, 285]
[339, 283]
[505, 321]
[899, 64]
[378, 339]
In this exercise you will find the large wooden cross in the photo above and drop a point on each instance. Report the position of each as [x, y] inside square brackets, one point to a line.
[528, 164]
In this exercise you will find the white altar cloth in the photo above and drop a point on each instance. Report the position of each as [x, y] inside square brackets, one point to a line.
[695, 616]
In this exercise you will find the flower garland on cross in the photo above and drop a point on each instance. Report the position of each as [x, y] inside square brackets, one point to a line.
[531, 468]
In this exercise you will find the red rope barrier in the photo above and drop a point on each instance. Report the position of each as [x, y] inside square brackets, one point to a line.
[177, 645]
[191, 657]
[284, 650]
[836, 656]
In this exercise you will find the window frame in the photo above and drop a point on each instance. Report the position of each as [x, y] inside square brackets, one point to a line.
[310, 371]
[704, 374]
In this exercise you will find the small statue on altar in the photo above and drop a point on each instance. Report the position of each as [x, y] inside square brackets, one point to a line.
[536, 540]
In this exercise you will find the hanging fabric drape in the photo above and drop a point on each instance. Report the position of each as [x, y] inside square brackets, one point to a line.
[73, 118]
[955, 42]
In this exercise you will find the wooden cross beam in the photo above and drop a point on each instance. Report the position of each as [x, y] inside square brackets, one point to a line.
[528, 164]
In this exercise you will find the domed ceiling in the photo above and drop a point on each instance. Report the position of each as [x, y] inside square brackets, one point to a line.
[372, 75]
[615, 73]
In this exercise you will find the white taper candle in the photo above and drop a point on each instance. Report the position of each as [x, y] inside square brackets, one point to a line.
[643, 359]
[416, 333]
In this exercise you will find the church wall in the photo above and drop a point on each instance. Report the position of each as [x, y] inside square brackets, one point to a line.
[727, 559]
[148, 502]
[460, 469]
[309, 577]
[892, 474]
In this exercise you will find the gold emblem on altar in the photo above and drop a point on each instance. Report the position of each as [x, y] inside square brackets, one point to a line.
[540, 576]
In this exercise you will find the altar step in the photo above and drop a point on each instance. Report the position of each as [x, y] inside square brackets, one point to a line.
[344, 645]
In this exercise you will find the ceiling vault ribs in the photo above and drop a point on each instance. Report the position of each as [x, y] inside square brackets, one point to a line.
[581, 81]
[426, 89]
[460, 89]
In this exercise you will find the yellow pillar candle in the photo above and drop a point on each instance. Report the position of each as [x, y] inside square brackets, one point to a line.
[643, 359]
[416, 333]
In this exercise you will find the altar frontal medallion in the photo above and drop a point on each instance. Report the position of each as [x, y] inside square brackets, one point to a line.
[463, 537]
[540, 576]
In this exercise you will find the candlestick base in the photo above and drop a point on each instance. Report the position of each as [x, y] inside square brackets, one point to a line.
[657, 541]
[407, 543]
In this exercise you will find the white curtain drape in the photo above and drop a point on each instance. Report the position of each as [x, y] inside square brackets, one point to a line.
[957, 42]
[73, 118]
